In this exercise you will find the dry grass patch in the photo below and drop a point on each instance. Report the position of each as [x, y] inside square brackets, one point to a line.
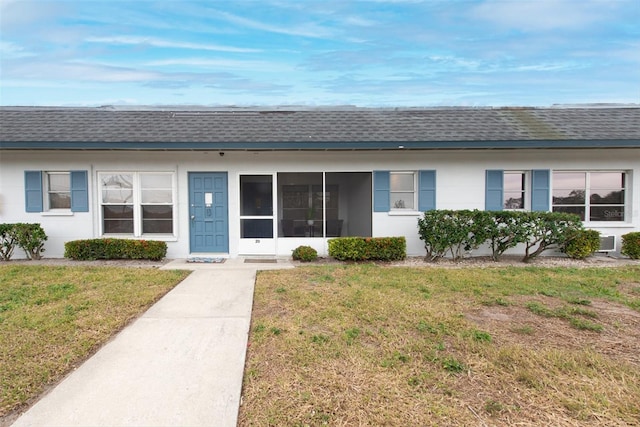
[371, 345]
[52, 318]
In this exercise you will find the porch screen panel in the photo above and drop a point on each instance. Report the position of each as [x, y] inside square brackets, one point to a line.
[256, 201]
[302, 203]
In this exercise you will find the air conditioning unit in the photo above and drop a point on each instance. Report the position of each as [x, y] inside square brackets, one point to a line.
[607, 244]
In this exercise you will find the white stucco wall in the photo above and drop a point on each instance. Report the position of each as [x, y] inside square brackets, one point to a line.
[460, 177]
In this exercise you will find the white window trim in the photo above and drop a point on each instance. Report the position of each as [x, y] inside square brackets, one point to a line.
[137, 205]
[57, 212]
[404, 212]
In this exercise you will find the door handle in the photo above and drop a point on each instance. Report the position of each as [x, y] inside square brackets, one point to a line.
[193, 217]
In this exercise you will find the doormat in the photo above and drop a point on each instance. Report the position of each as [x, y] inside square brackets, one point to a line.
[206, 260]
[260, 261]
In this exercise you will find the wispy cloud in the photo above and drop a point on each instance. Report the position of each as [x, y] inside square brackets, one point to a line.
[75, 71]
[542, 15]
[18, 14]
[306, 29]
[12, 50]
[262, 66]
[163, 43]
[221, 81]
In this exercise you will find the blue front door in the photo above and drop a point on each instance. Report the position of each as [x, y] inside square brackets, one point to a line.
[209, 216]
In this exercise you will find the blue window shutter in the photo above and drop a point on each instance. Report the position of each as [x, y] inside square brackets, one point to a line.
[381, 189]
[33, 191]
[540, 189]
[494, 190]
[79, 191]
[426, 190]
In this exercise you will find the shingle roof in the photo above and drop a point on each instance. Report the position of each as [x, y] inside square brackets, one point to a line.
[300, 128]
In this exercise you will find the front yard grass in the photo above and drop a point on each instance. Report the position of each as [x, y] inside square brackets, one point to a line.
[374, 345]
[52, 318]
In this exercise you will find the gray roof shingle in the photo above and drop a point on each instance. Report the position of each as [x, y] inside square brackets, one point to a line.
[282, 127]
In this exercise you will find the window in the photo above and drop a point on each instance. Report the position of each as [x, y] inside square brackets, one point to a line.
[402, 190]
[514, 190]
[58, 190]
[138, 203]
[386, 196]
[517, 190]
[156, 202]
[594, 196]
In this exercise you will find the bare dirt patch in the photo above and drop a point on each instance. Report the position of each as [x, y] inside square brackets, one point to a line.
[516, 324]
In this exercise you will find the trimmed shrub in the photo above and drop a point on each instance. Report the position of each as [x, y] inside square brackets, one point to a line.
[447, 231]
[435, 243]
[368, 248]
[631, 245]
[8, 241]
[305, 254]
[92, 249]
[581, 244]
[454, 232]
[31, 238]
[547, 230]
[504, 231]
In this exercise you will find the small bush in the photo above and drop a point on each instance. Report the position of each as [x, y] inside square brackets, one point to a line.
[581, 244]
[305, 253]
[31, 238]
[368, 248]
[92, 249]
[631, 245]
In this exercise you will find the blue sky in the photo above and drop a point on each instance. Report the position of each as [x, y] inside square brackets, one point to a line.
[284, 52]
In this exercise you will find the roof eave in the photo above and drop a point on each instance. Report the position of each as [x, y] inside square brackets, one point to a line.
[319, 145]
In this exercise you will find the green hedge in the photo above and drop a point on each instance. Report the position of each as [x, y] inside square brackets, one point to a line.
[581, 244]
[92, 249]
[368, 248]
[304, 253]
[631, 245]
[454, 232]
[29, 237]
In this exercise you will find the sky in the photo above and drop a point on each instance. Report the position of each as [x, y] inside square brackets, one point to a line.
[368, 53]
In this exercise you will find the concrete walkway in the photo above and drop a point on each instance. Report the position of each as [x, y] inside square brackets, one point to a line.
[179, 364]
